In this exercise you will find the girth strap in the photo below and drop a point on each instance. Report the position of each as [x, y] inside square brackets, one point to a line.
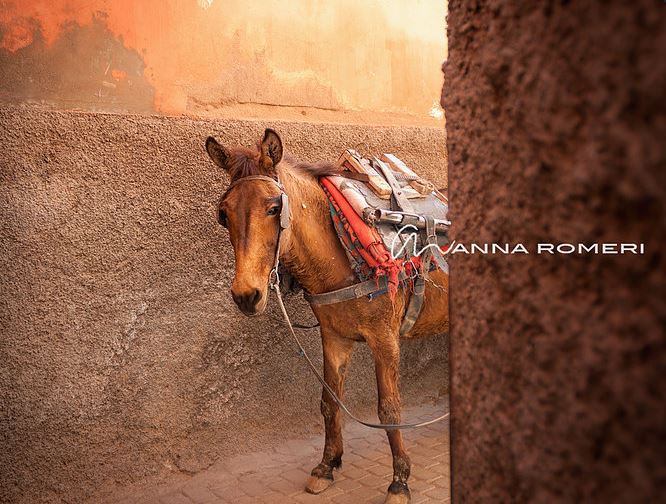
[415, 301]
[370, 288]
[418, 296]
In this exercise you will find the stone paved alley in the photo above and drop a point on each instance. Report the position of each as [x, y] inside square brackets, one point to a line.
[278, 475]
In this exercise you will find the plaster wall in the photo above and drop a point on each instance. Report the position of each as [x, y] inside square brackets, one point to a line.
[123, 359]
[229, 58]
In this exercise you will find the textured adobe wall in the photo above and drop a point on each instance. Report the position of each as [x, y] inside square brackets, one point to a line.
[122, 355]
[556, 127]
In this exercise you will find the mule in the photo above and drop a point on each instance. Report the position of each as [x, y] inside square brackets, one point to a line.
[313, 255]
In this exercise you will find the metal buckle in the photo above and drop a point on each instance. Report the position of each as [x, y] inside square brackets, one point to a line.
[414, 270]
[274, 279]
[284, 211]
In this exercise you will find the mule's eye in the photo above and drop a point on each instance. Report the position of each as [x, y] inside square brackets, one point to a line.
[274, 210]
[222, 217]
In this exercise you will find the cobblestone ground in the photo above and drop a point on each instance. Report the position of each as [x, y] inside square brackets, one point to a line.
[278, 475]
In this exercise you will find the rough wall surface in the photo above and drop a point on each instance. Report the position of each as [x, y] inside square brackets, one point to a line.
[556, 127]
[123, 356]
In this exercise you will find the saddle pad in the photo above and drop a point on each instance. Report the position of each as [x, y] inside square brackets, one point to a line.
[365, 249]
[364, 201]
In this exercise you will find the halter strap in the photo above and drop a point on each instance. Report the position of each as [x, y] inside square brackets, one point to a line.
[255, 177]
[274, 277]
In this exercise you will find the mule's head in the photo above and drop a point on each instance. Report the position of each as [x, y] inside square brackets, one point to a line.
[250, 210]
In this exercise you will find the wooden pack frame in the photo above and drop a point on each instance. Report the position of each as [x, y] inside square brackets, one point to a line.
[416, 188]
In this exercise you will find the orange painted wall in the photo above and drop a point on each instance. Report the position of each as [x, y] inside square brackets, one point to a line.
[208, 56]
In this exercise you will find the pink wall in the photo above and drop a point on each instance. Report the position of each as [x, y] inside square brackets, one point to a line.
[225, 58]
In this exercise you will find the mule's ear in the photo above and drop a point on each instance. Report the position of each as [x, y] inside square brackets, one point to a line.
[271, 148]
[217, 152]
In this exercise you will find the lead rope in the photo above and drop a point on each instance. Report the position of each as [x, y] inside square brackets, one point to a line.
[274, 283]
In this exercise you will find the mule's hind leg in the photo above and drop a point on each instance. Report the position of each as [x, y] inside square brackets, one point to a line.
[337, 352]
[387, 368]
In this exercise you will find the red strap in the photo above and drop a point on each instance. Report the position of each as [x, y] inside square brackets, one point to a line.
[374, 251]
[369, 237]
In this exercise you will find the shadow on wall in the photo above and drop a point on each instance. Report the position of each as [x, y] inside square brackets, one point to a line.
[85, 67]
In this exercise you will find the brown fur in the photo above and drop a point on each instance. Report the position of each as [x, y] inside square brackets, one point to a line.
[313, 254]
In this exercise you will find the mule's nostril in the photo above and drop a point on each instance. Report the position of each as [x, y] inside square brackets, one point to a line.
[256, 297]
[247, 301]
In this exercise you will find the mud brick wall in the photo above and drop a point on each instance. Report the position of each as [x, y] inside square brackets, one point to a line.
[123, 357]
[556, 128]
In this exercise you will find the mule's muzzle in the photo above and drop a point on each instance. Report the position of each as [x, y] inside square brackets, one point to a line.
[248, 301]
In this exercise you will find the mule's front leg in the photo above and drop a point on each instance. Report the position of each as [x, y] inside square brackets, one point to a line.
[336, 357]
[387, 367]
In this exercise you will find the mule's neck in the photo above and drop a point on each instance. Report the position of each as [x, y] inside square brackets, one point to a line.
[313, 254]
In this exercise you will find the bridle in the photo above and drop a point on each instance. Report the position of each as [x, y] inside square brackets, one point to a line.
[285, 218]
[274, 284]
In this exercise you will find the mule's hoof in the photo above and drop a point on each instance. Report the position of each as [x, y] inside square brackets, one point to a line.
[316, 485]
[398, 493]
[399, 498]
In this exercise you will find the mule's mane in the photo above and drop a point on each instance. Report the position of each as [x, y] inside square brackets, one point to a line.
[315, 170]
[243, 162]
